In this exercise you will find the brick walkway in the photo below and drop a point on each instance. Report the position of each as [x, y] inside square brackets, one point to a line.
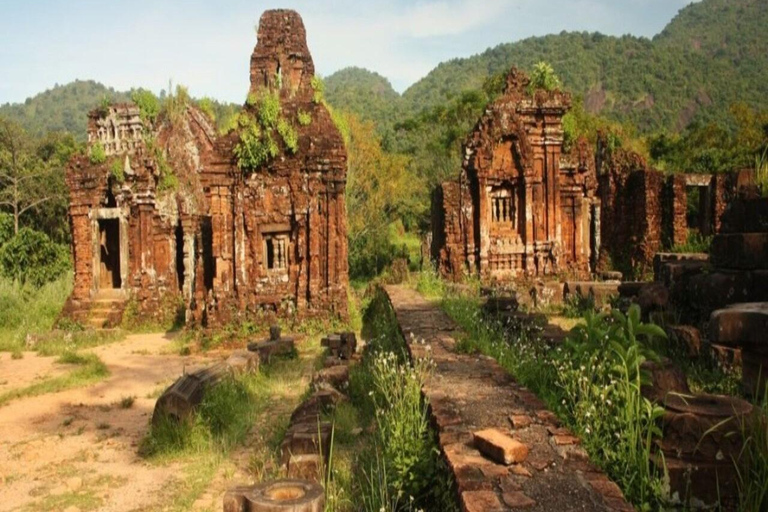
[472, 393]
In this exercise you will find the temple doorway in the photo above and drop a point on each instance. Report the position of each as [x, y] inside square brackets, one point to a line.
[109, 258]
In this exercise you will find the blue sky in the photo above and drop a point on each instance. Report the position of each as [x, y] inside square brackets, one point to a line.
[206, 45]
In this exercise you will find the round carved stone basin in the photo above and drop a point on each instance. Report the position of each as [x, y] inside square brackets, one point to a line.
[716, 406]
[288, 495]
[704, 427]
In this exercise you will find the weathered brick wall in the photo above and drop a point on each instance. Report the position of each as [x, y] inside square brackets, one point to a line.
[631, 198]
[674, 210]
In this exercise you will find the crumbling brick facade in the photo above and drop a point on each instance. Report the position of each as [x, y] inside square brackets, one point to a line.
[184, 220]
[520, 207]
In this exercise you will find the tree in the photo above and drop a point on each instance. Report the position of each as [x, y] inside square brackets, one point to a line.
[378, 192]
[25, 178]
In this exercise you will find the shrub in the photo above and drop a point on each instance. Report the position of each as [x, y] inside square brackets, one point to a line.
[97, 154]
[305, 118]
[289, 135]
[269, 110]
[116, 170]
[319, 89]
[148, 103]
[6, 227]
[206, 106]
[544, 77]
[31, 257]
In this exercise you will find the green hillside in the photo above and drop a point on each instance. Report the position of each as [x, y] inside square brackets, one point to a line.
[365, 93]
[713, 54]
[63, 108]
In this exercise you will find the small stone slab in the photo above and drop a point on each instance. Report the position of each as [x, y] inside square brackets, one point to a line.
[480, 501]
[517, 499]
[740, 324]
[500, 447]
[600, 291]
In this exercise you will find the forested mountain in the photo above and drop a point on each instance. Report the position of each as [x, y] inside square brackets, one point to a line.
[365, 93]
[63, 108]
[713, 54]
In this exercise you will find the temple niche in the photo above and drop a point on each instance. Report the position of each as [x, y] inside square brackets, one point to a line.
[521, 207]
[172, 217]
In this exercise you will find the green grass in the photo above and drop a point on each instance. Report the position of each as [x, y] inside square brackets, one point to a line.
[26, 309]
[397, 466]
[696, 243]
[89, 369]
[592, 383]
[82, 500]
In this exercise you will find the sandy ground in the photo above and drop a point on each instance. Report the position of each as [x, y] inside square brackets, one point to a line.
[18, 373]
[77, 449]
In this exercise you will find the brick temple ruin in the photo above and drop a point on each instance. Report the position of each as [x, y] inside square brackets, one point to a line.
[524, 207]
[520, 207]
[223, 241]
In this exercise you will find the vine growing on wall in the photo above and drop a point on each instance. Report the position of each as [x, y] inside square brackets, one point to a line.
[258, 132]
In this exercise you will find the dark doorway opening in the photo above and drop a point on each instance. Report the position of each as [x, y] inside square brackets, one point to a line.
[593, 238]
[180, 256]
[209, 263]
[109, 247]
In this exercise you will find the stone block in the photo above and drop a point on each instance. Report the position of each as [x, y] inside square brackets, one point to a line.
[687, 338]
[661, 259]
[665, 378]
[740, 324]
[600, 291]
[334, 376]
[500, 447]
[269, 349]
[743, 251]
[243, 361]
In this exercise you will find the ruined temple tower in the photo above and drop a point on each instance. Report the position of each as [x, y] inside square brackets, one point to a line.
[226, 224]
[521, 207]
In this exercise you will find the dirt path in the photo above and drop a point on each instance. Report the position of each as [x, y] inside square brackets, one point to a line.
[77, 449]
[471, 393]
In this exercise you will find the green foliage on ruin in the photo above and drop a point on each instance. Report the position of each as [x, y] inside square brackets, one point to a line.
[543, 77]
[288, 134]
[174, 105]
[305, 118]
[116, 170]
[97, 154]
[318, 86]
[255, 147]
[149, 104]
[167, 180]
[207, 107]
[258, 131]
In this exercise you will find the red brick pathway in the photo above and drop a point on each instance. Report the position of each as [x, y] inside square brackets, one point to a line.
[472, 393]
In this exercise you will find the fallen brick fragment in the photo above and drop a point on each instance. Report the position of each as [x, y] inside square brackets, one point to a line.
[480, 501]
[500, 447]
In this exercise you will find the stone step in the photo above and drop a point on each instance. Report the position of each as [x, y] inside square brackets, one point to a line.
[740, 324]
[97, 322]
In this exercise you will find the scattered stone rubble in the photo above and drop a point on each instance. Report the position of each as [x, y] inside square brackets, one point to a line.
[223, 241]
